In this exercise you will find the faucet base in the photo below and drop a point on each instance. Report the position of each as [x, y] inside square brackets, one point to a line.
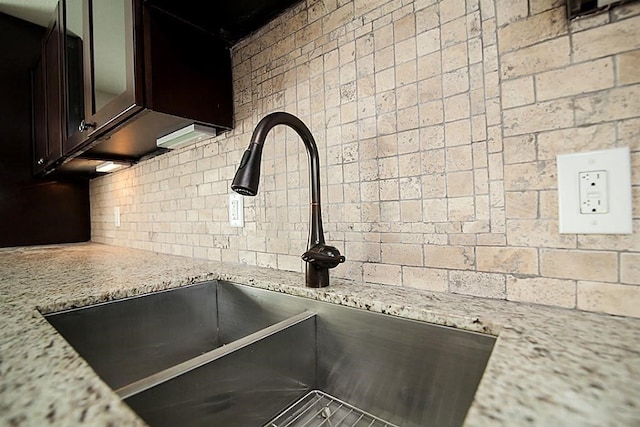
[316, 277]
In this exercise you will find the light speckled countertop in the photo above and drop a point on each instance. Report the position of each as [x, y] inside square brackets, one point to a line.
[549, 367]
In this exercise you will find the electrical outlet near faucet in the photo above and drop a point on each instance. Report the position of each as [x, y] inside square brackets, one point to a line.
[594, 192]
[236, 210]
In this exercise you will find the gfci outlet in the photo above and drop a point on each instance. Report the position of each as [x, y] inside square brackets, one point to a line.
[594, 192]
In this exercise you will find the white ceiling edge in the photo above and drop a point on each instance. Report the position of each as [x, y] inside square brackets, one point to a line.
[38, 12]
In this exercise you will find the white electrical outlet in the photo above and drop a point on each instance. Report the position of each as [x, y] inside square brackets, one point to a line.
[236, 210]
[594, 192]
[116, 214]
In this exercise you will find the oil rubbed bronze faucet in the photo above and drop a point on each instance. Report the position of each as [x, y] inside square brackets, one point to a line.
[319, 257]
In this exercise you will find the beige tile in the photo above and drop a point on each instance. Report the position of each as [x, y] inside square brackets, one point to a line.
[382, 273]
[431, 113]
[451, 257]
[532, 30]
[460, 184]
[530, 176]
[507, 260]
[580, 265]
[430, 89]
[521, 204]
[427, 18]
[561, 83]
[536, 59]
[628, 66]
[607, 40]
[550, 115]
[630, 268]
[508, 11]
[458, 133]
[451, 9]
[615, 104]
[434, 210]
[454, 32]
[458, 158]
[461, 209]
[485, 285]
[540, 290]
[586, 138]
[429, 279]
[402, 254]
[404, 28]
[455, 82]
[517, 92]
[520, 149]
[454, 57]
[537, 233]
[609, 298]
[456, 107]
[428, 42]
[410, 211]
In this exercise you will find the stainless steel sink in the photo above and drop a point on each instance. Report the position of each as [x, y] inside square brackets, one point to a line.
[219, 353]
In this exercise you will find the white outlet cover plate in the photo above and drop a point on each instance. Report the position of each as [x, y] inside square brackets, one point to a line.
[617, 163]
[236, 210]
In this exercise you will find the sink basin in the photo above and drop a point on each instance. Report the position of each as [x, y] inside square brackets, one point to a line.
[219, 353]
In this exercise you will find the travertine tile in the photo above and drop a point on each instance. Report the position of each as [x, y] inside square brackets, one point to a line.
[402, 254]
[509, 10]
[486, 285]
[616, 104]
[548, 115]
[581, 265]
[521, 204]
[425, 278]
[606, 40]
[532, 30]
[628, 66]
[451, 257]
[507, 260]
[538, 58]
[517, 92]
[383, 273]
[460, 184]
[609, 298]
[561, 83]
[630, 268]
[541, 290]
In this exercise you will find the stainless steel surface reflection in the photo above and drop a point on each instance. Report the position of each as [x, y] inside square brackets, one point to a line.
[320, 409]
[409, 373]
[129, 339]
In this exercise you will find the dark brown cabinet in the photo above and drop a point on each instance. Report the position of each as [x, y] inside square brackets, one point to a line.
[47, 101]
[132, 73]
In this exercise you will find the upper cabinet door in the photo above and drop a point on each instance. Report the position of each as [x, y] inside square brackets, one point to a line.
[110, 92]
[112, 83]
[74, 112]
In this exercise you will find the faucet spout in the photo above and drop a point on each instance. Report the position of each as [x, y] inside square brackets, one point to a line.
[319, 257]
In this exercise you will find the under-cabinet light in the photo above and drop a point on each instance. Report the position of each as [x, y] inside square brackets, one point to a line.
[186, 135]
[110, 166]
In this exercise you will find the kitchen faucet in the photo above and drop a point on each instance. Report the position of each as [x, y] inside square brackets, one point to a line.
[319, 256]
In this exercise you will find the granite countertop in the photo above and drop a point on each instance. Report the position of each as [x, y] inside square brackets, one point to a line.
[549, 367]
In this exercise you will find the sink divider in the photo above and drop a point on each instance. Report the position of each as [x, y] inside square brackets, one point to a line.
[205, 358]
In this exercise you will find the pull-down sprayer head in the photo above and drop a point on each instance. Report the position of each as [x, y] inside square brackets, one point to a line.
[247, 177]
[319, 257]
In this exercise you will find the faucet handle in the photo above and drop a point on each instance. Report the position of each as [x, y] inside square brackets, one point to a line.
[323, 256]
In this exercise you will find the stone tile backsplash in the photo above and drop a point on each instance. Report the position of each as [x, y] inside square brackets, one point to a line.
[438, 123]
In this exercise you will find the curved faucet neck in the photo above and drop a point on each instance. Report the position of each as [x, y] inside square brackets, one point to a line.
[316, 232]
